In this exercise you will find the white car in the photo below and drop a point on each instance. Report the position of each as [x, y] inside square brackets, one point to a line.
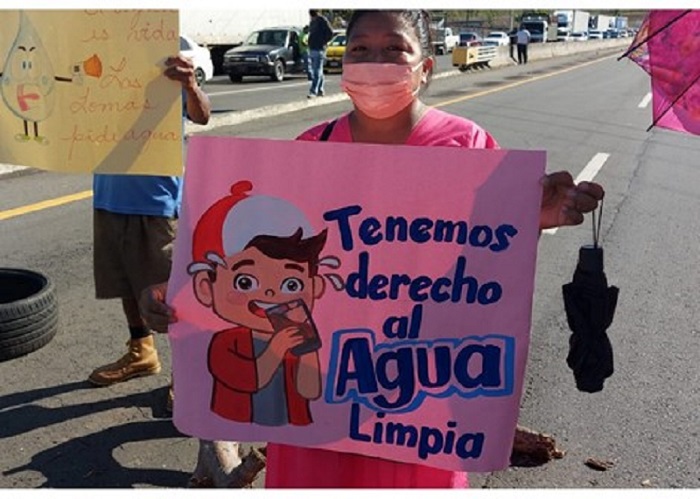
[499, 38]
[579, 37]
[595, 35]
[203, 67]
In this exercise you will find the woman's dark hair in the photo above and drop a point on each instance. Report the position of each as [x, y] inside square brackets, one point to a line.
[418, 19]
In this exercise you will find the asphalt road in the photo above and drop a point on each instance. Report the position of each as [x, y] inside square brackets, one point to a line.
[56, 431]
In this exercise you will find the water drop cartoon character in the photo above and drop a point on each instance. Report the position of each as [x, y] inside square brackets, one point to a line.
[27, 81]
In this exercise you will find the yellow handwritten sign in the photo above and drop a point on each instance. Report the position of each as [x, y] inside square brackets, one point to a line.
[84, 91]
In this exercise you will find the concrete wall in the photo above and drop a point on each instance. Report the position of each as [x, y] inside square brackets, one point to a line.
[537, 51]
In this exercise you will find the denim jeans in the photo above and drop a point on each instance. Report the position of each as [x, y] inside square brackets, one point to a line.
[305, 64]
[316, 58]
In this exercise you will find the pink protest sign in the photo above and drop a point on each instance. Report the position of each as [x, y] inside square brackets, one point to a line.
[362, 298]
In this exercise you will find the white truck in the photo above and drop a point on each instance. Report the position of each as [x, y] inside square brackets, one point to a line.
[541, 26]
[601, 23]
[570, 22]
[444, 39]
[220, 30]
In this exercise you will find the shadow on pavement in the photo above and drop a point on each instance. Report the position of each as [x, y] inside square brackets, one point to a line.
[88, 461]
[25, 418]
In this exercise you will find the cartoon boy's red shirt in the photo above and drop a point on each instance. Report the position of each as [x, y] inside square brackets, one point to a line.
[232, 363]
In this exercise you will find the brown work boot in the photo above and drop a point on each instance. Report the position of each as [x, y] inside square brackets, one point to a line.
[140, 360]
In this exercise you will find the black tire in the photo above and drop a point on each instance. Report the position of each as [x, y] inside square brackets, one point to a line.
[235, 78]
[28, 312]
[278, 71]
[200, 76]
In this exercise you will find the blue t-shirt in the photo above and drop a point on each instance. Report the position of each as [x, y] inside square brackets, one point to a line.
[140, 194]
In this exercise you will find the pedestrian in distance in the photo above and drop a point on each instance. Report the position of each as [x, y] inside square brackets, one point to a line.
[304, 51]
[134, 224]
[523, 38]
[513, 40]
[320, 33]
[390, 53]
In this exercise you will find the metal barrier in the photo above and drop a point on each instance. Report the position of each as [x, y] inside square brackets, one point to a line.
[473, 57]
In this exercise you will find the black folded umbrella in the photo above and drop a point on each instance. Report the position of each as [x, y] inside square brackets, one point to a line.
[590, 306]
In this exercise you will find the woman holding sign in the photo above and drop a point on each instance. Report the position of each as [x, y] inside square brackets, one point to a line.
[387, 63]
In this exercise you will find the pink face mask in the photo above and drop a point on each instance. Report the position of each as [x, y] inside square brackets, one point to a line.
[379, 90]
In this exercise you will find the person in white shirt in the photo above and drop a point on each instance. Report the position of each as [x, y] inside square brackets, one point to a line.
[523, 38]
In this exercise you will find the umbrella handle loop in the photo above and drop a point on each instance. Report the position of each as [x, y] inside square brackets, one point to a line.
[597, 226]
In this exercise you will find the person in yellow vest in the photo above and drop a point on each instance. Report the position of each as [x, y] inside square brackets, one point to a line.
[304, 50]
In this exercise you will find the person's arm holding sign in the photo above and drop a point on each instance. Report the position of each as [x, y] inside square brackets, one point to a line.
[180, 68]
[564, 203]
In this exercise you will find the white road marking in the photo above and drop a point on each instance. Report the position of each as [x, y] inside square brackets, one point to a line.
[587, 174]
[645, 101]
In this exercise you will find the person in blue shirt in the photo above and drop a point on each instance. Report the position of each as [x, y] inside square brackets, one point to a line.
[134, 224]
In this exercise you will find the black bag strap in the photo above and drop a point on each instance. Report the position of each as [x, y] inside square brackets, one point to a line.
[327, 131]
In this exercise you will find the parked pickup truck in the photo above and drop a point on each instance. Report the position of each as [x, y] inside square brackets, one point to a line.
[272, 52]
[444, 39]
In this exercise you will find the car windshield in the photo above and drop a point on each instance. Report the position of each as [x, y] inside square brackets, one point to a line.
[338, 41]
[532, 27]
[184, 44]
[496, 35]
[267, 37]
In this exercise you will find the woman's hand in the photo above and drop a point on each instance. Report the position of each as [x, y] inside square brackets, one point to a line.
[157, 314]
[564, 203]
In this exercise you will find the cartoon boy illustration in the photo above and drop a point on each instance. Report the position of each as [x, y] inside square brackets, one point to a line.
[253, 255]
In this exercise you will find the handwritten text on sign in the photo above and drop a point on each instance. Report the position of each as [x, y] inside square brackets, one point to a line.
[83, 90]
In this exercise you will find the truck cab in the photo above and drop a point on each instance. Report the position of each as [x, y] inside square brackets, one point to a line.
[444, 39]
[272, 52]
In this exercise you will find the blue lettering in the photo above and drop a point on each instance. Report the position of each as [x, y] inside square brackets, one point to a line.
[370, 231]
[358, 350]
[378, 283]
[489, 293]
[480, 236]
[404, 380]
[460, 280]
[470, 445]
[397, 376]
[419, 284]
[442, 363]
[399, 434]
[420, 230]
[342, 216]
[354, 432]
[396, 229]
[490, 374]
[436, 293]
[395, 284]
[503, 233]
[431, 442]
[356, 286]
[445, 230]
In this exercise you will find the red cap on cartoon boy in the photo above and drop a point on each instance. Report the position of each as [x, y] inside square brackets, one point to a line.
[233, 221]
